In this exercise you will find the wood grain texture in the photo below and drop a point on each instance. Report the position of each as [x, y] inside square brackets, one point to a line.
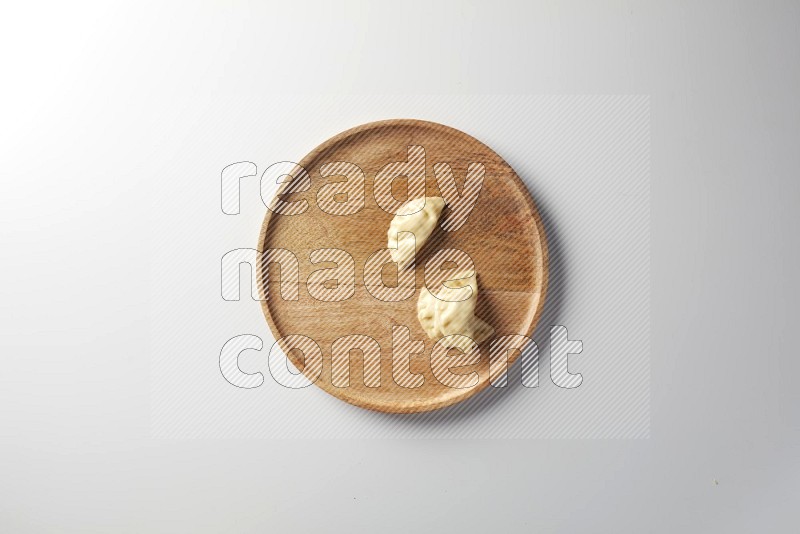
[504, 236]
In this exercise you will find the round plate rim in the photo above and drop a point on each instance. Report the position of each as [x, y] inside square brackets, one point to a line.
[429, 404]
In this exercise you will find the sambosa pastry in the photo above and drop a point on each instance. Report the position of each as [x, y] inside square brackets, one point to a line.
[418, 217]
[444, 316]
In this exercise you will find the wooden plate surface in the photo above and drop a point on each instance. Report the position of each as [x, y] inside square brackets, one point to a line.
[504, 236]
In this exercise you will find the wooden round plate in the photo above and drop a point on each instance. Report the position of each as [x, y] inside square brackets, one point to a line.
[503, 235]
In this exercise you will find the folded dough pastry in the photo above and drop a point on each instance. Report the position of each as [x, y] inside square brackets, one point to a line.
[417, 216]
[442, 315]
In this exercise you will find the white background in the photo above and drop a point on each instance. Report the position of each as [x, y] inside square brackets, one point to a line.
[100, 104]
